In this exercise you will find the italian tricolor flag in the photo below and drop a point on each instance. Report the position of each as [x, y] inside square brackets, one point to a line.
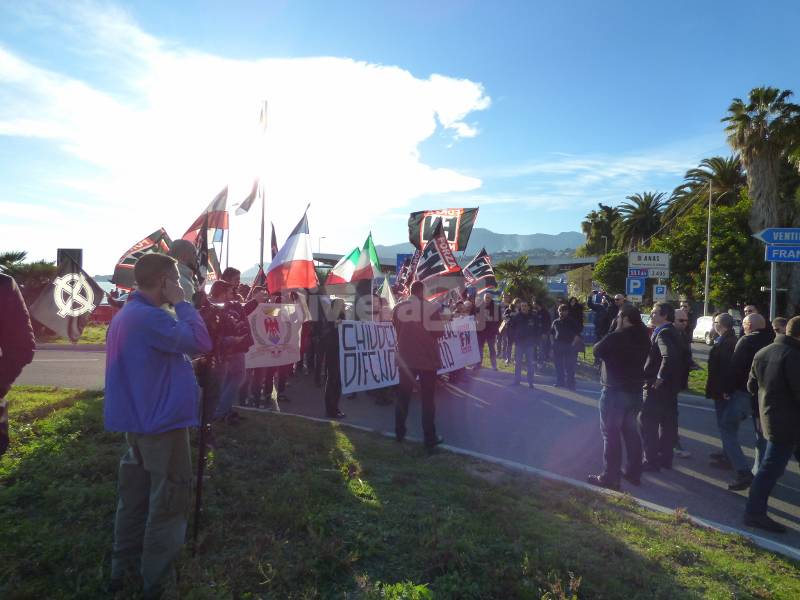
[360, 264]
[344, 269]
[368, 267]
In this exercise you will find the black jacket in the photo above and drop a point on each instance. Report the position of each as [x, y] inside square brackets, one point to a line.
[602, 322]
[525, 328]
[16, 334]
[775, 377]
[720, 366]
[623, 353]
[419, 326]
[668, 359]
[746, 349]
[564, 330]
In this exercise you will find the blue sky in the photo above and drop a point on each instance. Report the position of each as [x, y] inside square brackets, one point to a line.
[118, 118]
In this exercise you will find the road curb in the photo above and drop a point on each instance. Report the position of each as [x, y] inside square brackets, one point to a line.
[72, 347]
[762, 542]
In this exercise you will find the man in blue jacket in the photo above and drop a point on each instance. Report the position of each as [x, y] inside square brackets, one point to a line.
[152, 396]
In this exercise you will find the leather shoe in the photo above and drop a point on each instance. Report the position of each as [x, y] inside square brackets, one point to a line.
[438, 440]
[763, 522]
[742, 481]
[635, 480]
[600, 481]
[648, 467]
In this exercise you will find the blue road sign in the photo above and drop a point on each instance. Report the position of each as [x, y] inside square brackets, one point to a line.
[634, 286]
[782, 254]
[779, 235]
[556, 287]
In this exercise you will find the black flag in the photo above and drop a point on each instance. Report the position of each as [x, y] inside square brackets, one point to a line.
[479, 273]
[436, 266]
[158, 241]
[456, 223]
[67, 303]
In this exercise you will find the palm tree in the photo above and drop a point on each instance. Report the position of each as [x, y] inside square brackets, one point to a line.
[599, 224]
[9, 259]
[762, 131]
[640, 219]
[724, 176]
[521, 279]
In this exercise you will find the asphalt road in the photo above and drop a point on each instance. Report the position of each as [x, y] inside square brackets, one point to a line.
[549, 428]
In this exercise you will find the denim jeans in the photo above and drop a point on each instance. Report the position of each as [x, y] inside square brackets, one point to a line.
[232, 380]
[618, 424]
[730, 415]
[524, 351]
[761, 442]
[773, 465]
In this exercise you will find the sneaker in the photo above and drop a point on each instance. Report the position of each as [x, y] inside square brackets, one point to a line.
[742, 481]
[601, 481]
[763, 522]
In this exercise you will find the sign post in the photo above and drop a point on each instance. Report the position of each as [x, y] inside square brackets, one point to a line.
[634, 288]
[782, 245]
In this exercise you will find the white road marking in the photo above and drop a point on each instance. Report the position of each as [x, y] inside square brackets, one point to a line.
[66, 360]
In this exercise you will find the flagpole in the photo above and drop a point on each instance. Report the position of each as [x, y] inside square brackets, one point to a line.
[261, 254]
[228, 247]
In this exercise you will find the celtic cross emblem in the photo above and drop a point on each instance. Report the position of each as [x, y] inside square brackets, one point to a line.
[73, 295]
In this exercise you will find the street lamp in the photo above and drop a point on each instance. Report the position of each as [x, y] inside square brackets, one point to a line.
[708, 255]
[319, 245]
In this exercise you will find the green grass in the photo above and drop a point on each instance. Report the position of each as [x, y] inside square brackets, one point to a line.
[585, 369]
[92, 334]
[697, 380]
[296, 509]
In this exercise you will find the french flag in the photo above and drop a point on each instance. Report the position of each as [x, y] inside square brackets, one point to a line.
[293, 265]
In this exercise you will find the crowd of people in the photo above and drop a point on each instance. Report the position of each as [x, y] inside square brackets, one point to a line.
[170, 340]
[753, 377]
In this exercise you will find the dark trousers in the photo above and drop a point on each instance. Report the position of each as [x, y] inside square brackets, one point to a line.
[333, 384]
[263, 381]
[617, 425]
[564, 357]
[427, 382]
[773, 464]
[658, 423]
[524, 357]
[491, 340]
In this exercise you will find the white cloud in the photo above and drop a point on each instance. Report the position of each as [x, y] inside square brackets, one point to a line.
[570, 181]
[167, 126]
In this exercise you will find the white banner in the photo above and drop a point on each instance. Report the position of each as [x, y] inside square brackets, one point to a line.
[276, 330]
[458, 346]
[367, 355]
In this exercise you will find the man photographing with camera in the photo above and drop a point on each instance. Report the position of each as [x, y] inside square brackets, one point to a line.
[152, 396]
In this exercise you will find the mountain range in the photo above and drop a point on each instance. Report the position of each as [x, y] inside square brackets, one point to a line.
[503, 242]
